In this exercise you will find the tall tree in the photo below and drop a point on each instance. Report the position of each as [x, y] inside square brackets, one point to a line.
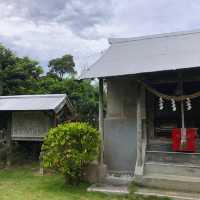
[62, 65]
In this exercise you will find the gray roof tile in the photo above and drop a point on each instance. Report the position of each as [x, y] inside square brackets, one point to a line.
[147, 54]
[33, 102]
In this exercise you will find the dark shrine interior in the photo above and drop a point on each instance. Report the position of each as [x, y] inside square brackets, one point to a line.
[167, 119]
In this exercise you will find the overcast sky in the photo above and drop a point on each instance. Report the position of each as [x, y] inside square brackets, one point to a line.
[46, 29]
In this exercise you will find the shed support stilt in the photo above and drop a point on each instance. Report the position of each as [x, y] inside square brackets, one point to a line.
[9, 151]
[41, 163]
[9, 142]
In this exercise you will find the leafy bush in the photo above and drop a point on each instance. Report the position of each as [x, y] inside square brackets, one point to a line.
[69, 147]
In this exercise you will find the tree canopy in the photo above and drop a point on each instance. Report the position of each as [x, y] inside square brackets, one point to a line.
[22, 77]
[62, 65]
[82, 94]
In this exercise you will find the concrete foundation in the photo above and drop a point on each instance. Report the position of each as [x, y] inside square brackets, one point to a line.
[95, 173]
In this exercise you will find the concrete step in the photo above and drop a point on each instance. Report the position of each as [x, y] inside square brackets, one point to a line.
[173, 157]
[122, 180]
[172, 169]
[165, 146]
[109, 189]
[159, 147]
[171, 182]
[167, 193]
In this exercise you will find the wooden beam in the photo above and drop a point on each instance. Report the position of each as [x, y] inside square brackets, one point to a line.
[168, 79]
[25, 138]
[101, 119]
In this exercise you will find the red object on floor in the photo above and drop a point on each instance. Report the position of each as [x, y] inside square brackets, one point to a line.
[190, 145]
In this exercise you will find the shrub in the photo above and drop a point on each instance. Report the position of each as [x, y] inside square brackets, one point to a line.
[69, 147]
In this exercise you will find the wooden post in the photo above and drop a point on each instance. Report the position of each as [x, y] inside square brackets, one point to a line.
[182, 115]
[54, 119]
[140, 146]
[1, 85]
[102, 169]
[183, 129]
[150, 118]
[41, 163]
[101, 119]
[9, 140]
[139, 126]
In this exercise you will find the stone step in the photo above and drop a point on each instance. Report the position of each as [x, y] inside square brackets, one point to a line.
[159, 147]
[173, 195]
[165, 147]
[171, 182]
[173, 157]
[172, 169]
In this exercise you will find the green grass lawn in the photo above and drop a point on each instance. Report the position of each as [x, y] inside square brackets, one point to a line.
[24, 183]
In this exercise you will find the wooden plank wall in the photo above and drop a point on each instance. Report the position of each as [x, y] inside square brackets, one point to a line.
[30, 124]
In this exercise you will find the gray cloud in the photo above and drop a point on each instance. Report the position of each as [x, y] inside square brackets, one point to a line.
[84, 16]
[37, 10]
[80, 16]
[45, 29]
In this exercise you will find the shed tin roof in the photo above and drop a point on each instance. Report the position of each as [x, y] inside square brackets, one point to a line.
[53, 102]
[152, 53]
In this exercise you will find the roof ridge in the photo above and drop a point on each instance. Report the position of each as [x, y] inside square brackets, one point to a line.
[153, 36]
[33, 96]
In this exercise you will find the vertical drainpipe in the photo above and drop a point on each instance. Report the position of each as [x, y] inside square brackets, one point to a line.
[101, 119]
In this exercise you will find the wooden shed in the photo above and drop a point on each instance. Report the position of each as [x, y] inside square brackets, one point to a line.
[29, 117]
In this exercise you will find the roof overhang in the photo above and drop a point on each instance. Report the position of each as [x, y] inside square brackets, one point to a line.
[154, 53]
[53, 102]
